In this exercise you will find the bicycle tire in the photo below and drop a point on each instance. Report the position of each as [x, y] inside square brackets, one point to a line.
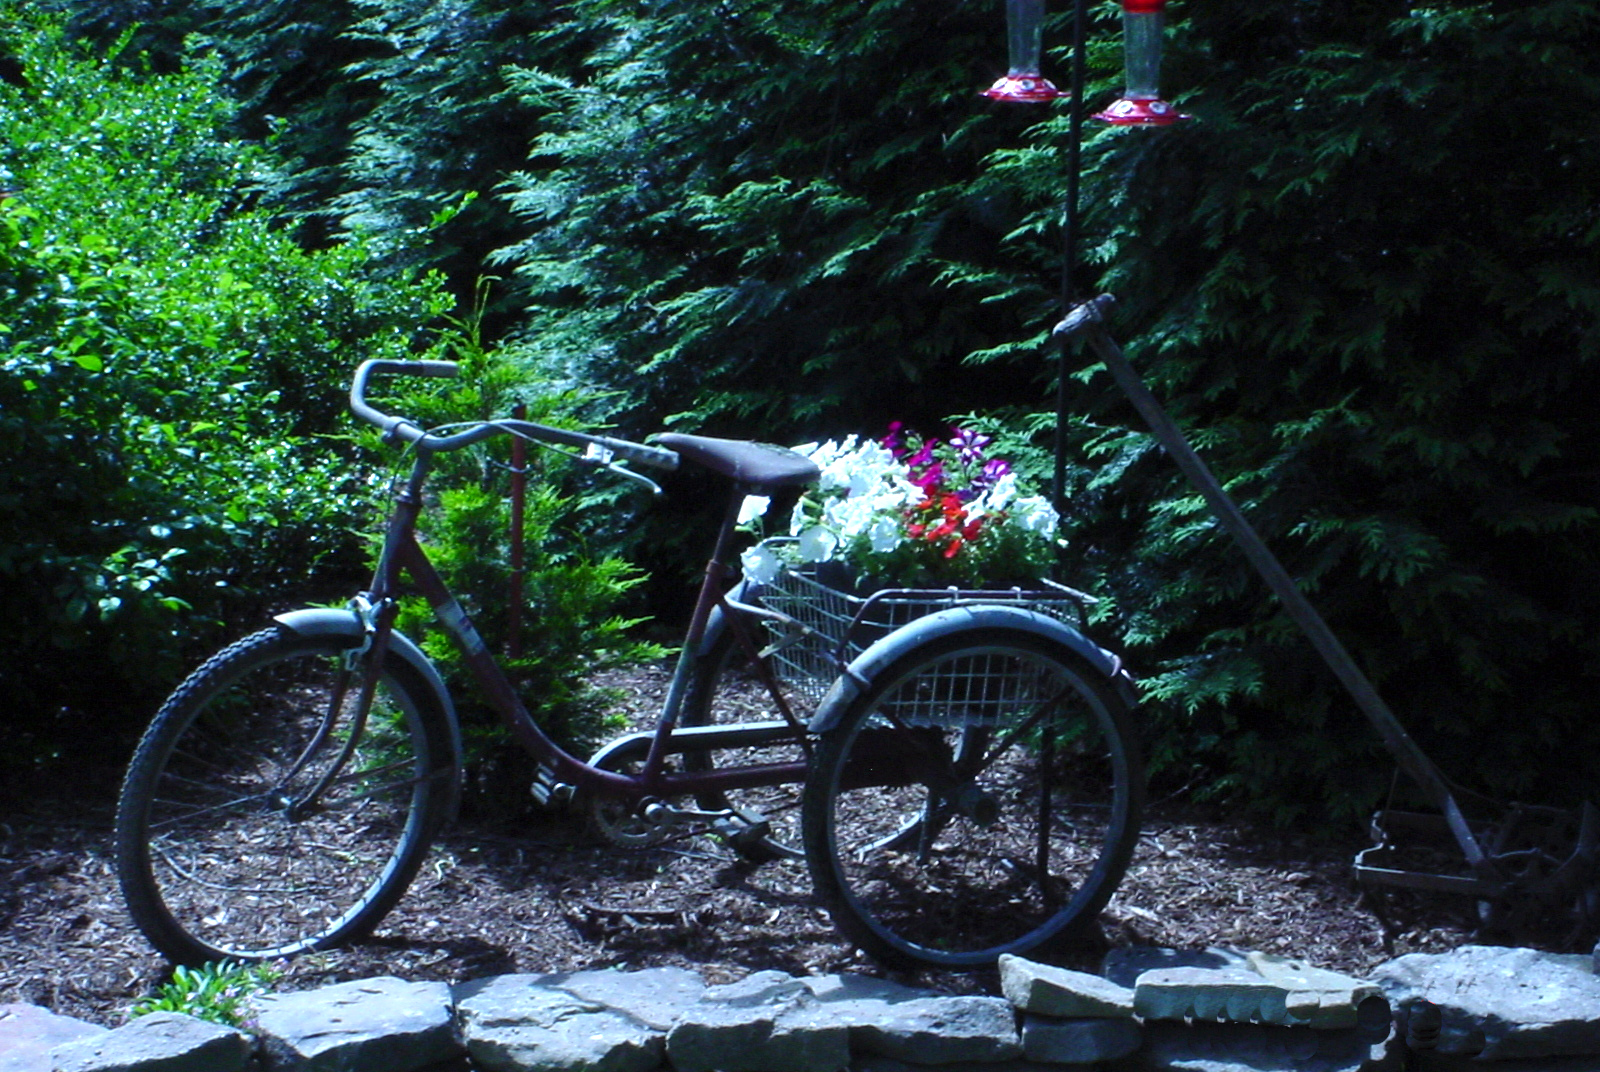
[212, 865]
[960, 769]
[726, 690]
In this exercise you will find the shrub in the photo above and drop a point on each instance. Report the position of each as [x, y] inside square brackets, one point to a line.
[170, 370]
[570, 625]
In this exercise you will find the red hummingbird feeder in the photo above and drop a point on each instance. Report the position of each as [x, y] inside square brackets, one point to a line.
[1023, 84]
[1141, 105]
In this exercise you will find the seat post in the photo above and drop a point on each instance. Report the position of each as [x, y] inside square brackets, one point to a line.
[710, 593]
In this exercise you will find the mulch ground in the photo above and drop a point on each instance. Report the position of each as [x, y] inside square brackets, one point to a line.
[542, 894]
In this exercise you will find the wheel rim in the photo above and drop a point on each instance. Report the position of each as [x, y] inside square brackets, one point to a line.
[976, 807]
[228, 862]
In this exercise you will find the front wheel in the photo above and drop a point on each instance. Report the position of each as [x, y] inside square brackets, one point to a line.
[223, 849]
[981, 796]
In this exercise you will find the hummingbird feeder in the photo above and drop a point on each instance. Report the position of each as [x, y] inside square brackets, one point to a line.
[1025, 38]
[1141, 105]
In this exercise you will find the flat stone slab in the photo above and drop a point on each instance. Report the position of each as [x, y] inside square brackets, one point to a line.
[1047, 990]
[1503, 1003]
[653, 996]
[608, 1021]
[1080, 1041]
[1320, 998]
[1264, 989]
[1125, 964]
[1203, 1047]
[374, 1025]
[28, 1033]
[768, 1022]
[159, 1042]
[888, 1020]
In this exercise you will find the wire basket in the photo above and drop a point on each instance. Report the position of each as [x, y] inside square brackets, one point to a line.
[830, 627]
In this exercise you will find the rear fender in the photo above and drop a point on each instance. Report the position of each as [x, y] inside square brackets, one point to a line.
[848, 686]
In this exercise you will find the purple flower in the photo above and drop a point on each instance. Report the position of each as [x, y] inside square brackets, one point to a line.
[993, 470]
[929, 477]
[894, 440]
[969, 445]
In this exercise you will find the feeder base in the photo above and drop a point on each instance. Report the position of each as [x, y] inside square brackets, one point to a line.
[1023, 89]
[1141, 112]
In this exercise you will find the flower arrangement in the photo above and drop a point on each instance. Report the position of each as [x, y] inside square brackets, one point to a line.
[910, 512]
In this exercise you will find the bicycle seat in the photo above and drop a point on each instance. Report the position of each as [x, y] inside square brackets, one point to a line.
[758, 465]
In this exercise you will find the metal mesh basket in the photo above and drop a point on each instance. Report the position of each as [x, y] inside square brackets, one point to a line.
[834, 627]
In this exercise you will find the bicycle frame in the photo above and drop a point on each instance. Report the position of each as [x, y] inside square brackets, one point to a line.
[402, 556]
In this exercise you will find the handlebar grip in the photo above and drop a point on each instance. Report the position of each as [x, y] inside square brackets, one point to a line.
[443, 370]
[393, 426]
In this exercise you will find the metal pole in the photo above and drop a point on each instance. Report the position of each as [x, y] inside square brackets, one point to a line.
[519, 500]
[1069, 242]
[1087, 320]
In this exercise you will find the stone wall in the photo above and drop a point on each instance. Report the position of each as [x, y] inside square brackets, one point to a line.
[1481, 1008]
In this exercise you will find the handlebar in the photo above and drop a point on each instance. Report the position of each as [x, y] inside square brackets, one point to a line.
[602, 449]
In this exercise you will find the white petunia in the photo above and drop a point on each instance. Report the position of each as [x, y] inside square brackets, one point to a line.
[1035, 514]
[886, 534]
[817, 544]
[999, 494]
[753, 507]
[760, 565]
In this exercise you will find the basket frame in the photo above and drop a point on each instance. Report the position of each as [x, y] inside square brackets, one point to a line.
[816, 629]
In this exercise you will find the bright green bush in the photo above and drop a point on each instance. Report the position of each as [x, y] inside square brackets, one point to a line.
[170, 367]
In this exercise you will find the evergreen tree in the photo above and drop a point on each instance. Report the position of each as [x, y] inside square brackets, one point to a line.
[1364, 275]
[763, 218]
[1366, 278]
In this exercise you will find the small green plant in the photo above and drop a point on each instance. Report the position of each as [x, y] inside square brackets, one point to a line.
[216, 992]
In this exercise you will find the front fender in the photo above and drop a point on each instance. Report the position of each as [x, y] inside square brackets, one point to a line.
[327, 621]
[848, 686]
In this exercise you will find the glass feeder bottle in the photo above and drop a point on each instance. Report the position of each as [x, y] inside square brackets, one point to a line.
[1024, 46]
[1142, 25]
[1024, 36]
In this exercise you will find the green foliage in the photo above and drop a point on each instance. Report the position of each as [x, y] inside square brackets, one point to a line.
[1366, 281]
[167, 362]
[390, 119]
[215, 992]
[760, 220]
[569, 621]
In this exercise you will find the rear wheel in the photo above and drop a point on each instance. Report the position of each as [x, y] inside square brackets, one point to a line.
[223, 852]
[981, 796]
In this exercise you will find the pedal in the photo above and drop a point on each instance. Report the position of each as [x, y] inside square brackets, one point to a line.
[742, 830]
[547, 792]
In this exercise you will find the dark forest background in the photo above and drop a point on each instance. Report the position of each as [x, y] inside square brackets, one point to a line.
[1364, 276]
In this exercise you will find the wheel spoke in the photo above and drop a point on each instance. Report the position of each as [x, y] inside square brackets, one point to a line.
[216, 863]
[932, 814]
